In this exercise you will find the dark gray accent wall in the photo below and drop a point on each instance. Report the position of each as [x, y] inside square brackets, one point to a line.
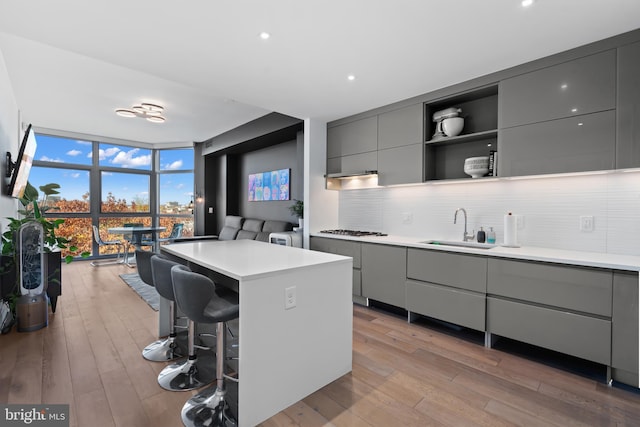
[281, 156]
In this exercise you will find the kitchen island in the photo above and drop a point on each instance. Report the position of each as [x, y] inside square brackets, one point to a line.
[295, 325]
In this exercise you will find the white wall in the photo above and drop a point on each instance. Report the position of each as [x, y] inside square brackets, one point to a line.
[9, 137]
[551, 207]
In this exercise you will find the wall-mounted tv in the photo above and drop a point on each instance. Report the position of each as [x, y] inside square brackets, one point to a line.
[22, 166]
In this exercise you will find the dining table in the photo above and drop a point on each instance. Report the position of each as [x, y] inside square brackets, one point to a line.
[135, 237]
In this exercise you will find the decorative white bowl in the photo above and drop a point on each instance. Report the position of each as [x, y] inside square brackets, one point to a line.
[476, 167]
[453, 126]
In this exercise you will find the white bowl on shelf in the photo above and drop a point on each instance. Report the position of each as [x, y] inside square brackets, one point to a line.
[476, 167]
[452, 126]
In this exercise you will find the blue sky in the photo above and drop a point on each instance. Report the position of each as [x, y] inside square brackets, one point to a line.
[75, 183]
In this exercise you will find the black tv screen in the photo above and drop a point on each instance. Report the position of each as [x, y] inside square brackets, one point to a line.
[23, 165]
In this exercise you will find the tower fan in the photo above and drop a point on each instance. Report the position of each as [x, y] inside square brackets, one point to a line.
[31, 307]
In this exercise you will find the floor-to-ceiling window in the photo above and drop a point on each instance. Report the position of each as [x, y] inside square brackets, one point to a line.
[109, 185]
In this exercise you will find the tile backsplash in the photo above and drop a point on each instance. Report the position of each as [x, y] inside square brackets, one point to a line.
[550, 207]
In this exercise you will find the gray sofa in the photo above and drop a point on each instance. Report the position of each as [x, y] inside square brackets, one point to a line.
[237, 227]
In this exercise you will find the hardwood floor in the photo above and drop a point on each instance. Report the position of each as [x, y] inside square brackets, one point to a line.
[403, 374]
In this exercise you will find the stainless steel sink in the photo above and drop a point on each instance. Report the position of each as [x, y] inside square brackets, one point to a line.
[473, 245]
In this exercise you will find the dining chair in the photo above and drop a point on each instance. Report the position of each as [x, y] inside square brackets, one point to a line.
[176, 232]
[106, 243]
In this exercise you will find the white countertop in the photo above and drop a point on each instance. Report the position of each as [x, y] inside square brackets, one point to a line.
[530, 253]
[248, 259]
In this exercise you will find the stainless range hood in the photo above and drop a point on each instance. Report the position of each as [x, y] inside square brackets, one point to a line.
[351, 180]
[340, 175]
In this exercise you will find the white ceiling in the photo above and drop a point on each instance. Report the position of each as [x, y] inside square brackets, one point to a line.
[73, 62]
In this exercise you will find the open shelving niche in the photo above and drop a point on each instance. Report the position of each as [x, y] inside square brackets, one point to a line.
[444, 157]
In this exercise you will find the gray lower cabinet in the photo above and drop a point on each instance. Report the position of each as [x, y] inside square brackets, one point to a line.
[345, 248]
[562, 308]
[447, 286]
[574, 144]
[624, 328]
[570, 333]
[384, 271]
[449, 304]
[628, 107]
[401, 165]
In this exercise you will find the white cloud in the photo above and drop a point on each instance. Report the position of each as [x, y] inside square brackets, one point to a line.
[129, 159]
[49, 159]
[74, 153]
[173, 166]
[75, 175]
[83, 142]
[179, 186]
[109, 152]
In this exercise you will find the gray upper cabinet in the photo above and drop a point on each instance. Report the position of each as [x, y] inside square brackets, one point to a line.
[581, 86]
[401, 127]
[356, 137]
[354, 163]
[400, 165]
[574, 144]
[628, 107]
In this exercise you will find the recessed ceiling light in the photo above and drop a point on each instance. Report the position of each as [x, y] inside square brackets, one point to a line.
[563, 86]
[580, 124]
[264, 35]
[574, 110]
[351, 77]
[527, 3]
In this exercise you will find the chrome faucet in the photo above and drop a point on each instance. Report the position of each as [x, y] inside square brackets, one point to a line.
[465, 237]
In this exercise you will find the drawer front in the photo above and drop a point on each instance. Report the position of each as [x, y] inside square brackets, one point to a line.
[446, 268]
[338, 247]
[568, 333]
[587, 84]
[448, 304]
[574, 288]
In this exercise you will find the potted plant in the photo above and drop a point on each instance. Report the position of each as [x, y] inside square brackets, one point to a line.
[34, 210]
[297, 209]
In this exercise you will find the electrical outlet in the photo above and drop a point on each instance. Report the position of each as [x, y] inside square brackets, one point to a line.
[586, 223]
[407, 217]
[520, 222]
[289, 297]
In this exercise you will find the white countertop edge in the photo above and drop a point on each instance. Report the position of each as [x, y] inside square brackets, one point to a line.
[278, 258]
[529, 253]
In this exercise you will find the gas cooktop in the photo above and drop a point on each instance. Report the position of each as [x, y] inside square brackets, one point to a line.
[355, 233]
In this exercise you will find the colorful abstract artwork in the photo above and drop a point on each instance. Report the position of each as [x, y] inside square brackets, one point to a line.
[273, 185]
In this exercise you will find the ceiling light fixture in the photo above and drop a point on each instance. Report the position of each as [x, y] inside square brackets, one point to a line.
[264, 35]
[351, 77]
[145, 110]
[527, 3]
